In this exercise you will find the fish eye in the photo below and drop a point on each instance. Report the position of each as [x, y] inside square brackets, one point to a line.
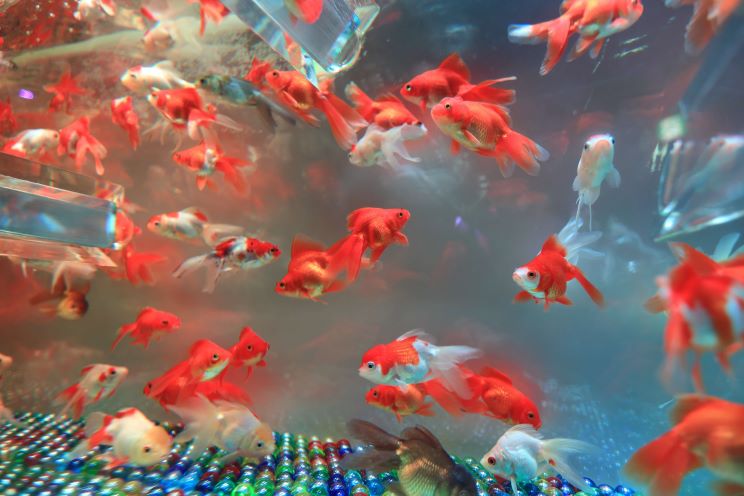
[146, 449]
[275, 74]
[165, 322]
[375, 394]
[491, 460]
[203, 80]
[531, 275]
[112, 372]
[156, 223]
[370, 365]
[282, 285]
[260, 444]
[274, 250]
[530, 415]
[586, 146]
[215, 357]
[447, 106]
[400, 214]
[249, 347]
[613, 141]
[409, 87]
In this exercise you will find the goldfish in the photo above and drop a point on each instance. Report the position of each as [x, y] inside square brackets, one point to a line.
[707, 18]
[308, 11]
[222, 390]
[97, 381]
[256, 75]
[206, 158]
[36, 144]
[124, 116]
[503, 401]
[595, 165]
[234, 253]
[63, 301]
[704, 301]
[137, 265]
[383, 147]
[452, 78]
[380, 228]
[212, 10]
[88, 8]
[8, 123]
[63, 92]
[75, 141]
[134, 439]
[190, 223]
[206, 361]
[400, 400]
[5, 363]
[485, 128]
[592, 21]
[229, 426]
[145, 79]
[162, 34]
[242, 92]
[299, 94]
[424, 468]
[250, 351]
[546, 276]
[386, 112]
[413, 359]
[183, 108]
[707, 432]
[314, 271]
[521, 454]
[149, 322]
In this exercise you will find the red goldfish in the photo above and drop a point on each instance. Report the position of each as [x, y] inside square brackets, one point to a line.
[299, 95]
[149, 322]
[124, 116]
[8, 122]
[184, 109]
[593, 21]
[452, 78]
[503, 401]
[401, 401]
[137, 265]
[314, 272]
[308, 11]
[36, 144]
[249, 351]
[704, 301]
[205, 159]
[545, 277]
[63, 301]
[380, 227]
[206, 361]
[707, 18]
[212, 10]
[708, 432]
[386, 112]
[97, 381]
[76, 142]
[63, 92]
[485, 128]
[257, 73]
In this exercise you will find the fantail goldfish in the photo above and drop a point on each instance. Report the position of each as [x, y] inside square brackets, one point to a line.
[308, 11]
[250, 351]
[63, 301]
[97, 381]
[503, 401]
[385, 112]
[124, 116]
[380, 228]
[707, 18]
[400, 400]
[595, 165]
[183, 108]
[76, 141]
[5, 363]
[149, 323]
[383, 147]
[190, 223]
[212, 10]
[63, 91]
[207, 158]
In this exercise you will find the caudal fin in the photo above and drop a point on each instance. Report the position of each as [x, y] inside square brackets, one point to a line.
[343, 132]
[123, 331]
[555, 32]
[516, 148]
[347, 255]
[595, 294]
[137, 265]
[484, 92]
[661, 465]
[200, 417]
[362, 102]
[213, 233]
[445, 365]
[194, 263]
[74, 398]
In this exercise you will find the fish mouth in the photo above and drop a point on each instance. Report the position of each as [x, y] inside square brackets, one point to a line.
[516, 277]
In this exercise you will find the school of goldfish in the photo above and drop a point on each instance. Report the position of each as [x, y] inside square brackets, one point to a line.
[703, 297]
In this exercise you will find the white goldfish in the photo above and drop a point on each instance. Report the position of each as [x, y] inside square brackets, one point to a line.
[382, 147]
[190, 223]
[161, 76]
[98, 381]
[34, 143]
[595, 165]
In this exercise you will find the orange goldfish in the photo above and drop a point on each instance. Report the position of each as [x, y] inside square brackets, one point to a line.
[257, 73]
[206, 158]
[184, 109]
[63, 301]
[708, 432]
[63, 92]
[212, 10]
[386, 112]
[503, 401]
[149, 322]
[97, 381]
[401, 401]
[76, 142]
[308, 11]
[249, 351]
[380, 227]
[124, 116]
[707, 18]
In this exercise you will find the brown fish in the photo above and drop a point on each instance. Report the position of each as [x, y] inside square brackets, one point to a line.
[424, 467]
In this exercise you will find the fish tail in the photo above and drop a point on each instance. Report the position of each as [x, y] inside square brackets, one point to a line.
[213, 233]
[138, 267]
[372, 435]
[594, 293]
[346, 255]
[557, 452]
[393, 144]
[228, 167]
[359, 98]
[73, 398]
[449, 402]
[555, 32]
[445, 365]
[484, 92]
[518, 148]
[202, 423]
[123, 331]
[192, 264]
[342, 131]
[662, 464]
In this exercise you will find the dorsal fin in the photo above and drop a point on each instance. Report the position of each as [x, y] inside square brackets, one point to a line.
[196, 213]
[302, 244]
[698, 260]
[686, 404]
[552, 244]
[495, 374]
[389, 97]
[86, 369]
[455, 64]
[245, 331]
[197, 344]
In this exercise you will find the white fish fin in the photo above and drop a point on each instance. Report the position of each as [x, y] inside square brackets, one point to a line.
[523, 35]
[525, 429]
[577, 184]
[558, 451]
[613, 178]
[214, 270]
[392, 145]
[445, 361]
[213, 233]
[190, 265]
[575, 241]
[588, 196]
[202, 424]
[418, 333]
[725, 247]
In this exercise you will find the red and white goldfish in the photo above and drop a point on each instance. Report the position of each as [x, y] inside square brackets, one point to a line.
[314, 271]
[298, 94]
[205, 159]
[183, 108]
[704, 301]
[63, 301]
[402, 401]
[134, 439]
[63, 92]
[76, 142]
[707, 18]
[502, 400]
[383, 147]
[212, 10]
[308, 11]
[229, 426]
[8, 123]
[38, 144]
[222, 390]
[124, 116]
[98, 381]
[521, 454]
[149, 323]
[593, 20]
[386, 112]
[161, 76]
[707, 432]
[380, 228]
[546, 276]
[235, 253]
[206, 361]
[5, 363]
[452, 78]
[250, 351]
[94, 8]
[188, 224]
[485, 128]
[595, 165]
[413, 359]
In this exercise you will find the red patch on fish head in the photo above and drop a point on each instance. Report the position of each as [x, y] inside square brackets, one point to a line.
[399, 216]
[278, 80]
[375, 357]
[381, 395]
[250, 346]
[450, 110]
